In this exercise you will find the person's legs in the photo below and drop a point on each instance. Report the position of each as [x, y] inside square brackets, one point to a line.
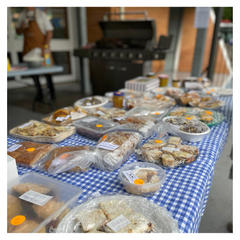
[50, 85]
[39, 96]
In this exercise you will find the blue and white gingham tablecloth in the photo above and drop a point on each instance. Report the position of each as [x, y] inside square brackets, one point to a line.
[185, 192]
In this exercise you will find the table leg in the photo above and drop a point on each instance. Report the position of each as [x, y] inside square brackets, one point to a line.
[50, 85]
[82, 75]
[38, 88]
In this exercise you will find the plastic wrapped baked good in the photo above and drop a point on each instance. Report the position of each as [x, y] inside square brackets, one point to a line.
[185, 98]
[137, 215]
[56, 152]
[114, 148]
[151, 113]
[37, 203]
[143, 179]
[208, 103]
[173, 92]
[91, 102]
[167, 152]
[28, 154]
[143, 125]
[94, 127]
[41, 132]
[142, 102]
[65, 116]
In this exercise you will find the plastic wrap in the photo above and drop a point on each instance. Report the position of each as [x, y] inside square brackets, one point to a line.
[94, 127]
[168, 152]
[210, 118]
[107, 113]
[65, 116]
[146, 181]
[40, 202]
[151, 113]
[207, 102]
[173, 92]
[115, 149]
[143, 125]
[28, 154]
[185, 98]
[145, 215]
[163, 98]
[134, 102]
[217, 91]
[91, 102]
[41, 132]
[64, 162]
[186, 128]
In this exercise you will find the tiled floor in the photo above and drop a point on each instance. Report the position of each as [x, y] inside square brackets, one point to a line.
[219, 209]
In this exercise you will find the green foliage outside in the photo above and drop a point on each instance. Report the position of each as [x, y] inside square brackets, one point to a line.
[227, 13]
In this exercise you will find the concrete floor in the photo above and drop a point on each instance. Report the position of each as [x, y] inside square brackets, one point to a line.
[219, 210]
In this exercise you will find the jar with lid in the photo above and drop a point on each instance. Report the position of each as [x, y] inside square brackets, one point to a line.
[118, 98]
[163, 80]
[151, 75]
[176, 83]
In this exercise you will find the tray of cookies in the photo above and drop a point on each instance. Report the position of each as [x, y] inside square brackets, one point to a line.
[41, 132]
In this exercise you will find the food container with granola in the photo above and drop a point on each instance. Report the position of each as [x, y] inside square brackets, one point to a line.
[134, 213]
[168, 152]
[28, 154]
[186, 128]
[114, 148]
[144, 179]
[91, 102]
[67, 158]
[65, 116]
[143, 125]
[151, 113]
[94, 127]
[36, 203]
[41, 132]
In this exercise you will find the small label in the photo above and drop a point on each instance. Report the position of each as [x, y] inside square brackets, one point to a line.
[104, 137]
[157, 113]
[159, 89]
[17, 220]
[131, 96]
[99, 125]
[35, 198]
[144, 112]
[124, 102]
[25, 125]
[158, 141]
[170, 149]
[100, 113]
[30, 149]
[67, 117]
[118, 223]
[91, 119]
[199, 79]
[14, 147]
[64, 155]
[60, 119]
[159, 95]
[130, 175]
[139, 181]
[188, 118]
[130, 90]
[88, 104]
[108, 146]
[208, 112]
[146, 98]
[212, 90]
[208, 92]
[120, 118]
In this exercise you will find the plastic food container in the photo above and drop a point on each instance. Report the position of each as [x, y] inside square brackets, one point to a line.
[151, 113]
[94, 128]
[36, 204]
[102, 99]
[143, 179]
[191, 137]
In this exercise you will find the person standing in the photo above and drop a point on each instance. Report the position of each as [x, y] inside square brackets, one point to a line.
[37, 30]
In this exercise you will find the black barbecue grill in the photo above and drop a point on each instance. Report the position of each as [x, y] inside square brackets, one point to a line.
[125, 51]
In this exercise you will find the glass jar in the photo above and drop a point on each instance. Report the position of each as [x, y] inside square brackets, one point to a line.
[163, 80]
[151, 75]
[118, 98]
[176, 83]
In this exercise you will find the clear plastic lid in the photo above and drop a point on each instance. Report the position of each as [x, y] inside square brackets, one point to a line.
[142, 178]
[151, 113]
[94, 127]
[37, 203]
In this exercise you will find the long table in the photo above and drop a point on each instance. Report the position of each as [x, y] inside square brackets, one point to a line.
[185, 192]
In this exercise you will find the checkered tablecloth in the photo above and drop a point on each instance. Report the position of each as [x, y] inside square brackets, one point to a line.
[186, 189]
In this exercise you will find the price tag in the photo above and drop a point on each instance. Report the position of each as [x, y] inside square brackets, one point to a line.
[157, 113]
[108, 146]
[99, 125]
[89, 119]
[35, 198]
[60, 119]
[120, 118]
[170, 149]
[25, 125]
[104, 137]
[144, 112]
[158, 141]
[100, 113]
[139, 181]
[118, 223]
[30, 149]
[17, 220]
[208, 112]
[130, 175]
[88, 104]
[14, 147]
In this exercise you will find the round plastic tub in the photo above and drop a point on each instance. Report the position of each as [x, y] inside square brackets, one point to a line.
[148, 178]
